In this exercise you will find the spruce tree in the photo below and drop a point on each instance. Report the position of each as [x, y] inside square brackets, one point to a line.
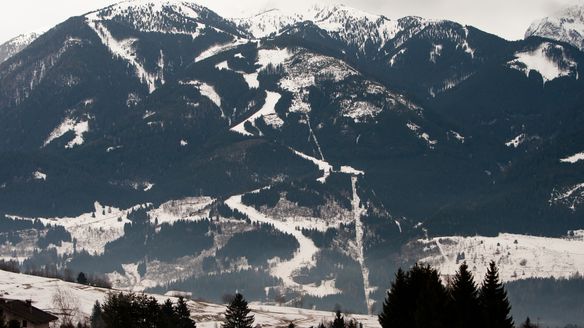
[2, 319]
[430, 298]
[339, 321]
[493, 300]
[96, 320]
[82, 279]
[183, 315]
[464, 299]
[167, 315]
[528, 324]
[237, 314]
[394, 312]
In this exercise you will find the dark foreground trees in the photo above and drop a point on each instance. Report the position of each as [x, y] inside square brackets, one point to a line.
[418, 299]
[237, 314]
[140, 311]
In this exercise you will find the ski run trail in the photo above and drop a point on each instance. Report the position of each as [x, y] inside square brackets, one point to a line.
[304, 257]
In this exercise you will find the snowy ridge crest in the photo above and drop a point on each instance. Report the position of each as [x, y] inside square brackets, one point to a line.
[566, 26]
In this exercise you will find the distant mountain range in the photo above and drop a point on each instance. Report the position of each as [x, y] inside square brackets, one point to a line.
[351, 143]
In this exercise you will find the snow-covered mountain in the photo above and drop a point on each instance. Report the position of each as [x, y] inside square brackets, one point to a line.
[162, 145]
[348, 24]
[15, 45]
[567, 26]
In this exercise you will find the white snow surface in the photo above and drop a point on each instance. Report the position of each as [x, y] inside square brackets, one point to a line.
[566, 25]
[540, 60]
[422, 135]
[187, 209]
[92, 230]
[573, 159]
[267, 112]
[124, 49]
[38, 175]
[322, 165]
[352, 26]
[152, 16]
[517, 141]
[17, 44]
[571, 196]
[358, 212]
[517, 256]
[304, 257]
[208, 91]
[206, 315]
[78, 126]
[219, 48]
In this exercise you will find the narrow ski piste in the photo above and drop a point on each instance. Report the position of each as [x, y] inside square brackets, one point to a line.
[303, 257]
[359, 232]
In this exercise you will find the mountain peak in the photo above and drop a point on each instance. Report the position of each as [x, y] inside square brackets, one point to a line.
[566, 25]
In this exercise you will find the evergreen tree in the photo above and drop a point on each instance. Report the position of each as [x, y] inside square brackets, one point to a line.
[464, 299]
[82, 279]
[394, 312]
[339, 321]
[493, 300]
[96, 319]
[528, 324]
[237, 314]
[2, 319]
[430, 298]
[167, 315]
[183, 315]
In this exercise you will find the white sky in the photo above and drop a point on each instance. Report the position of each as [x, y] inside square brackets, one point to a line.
[506, 18]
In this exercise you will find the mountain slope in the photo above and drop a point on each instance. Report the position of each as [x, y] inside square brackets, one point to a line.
[15, 45]
[567, 26]
[163, 145]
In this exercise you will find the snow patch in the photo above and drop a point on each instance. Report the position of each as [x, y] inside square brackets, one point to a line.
[78, 126]
[126, 50]
[541, 60]
[435, 53]
[517, 141]
[219, 48]
[517, 256]
[571, 197]
[573, 159]
[38, 175]
[208, 91]
[267, 112]
[187, 209]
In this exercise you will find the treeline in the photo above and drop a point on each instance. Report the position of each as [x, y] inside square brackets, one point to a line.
[51, 271]
[417, 298]
[558, 302]
[137, 311]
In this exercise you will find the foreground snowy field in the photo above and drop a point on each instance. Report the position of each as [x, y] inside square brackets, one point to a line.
[41, 291]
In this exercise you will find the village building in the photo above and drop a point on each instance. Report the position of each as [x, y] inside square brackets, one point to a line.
[25, 314]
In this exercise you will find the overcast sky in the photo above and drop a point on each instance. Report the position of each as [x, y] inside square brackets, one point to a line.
[506, 18]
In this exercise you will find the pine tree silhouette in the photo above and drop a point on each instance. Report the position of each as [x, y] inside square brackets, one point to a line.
[96, 319]
[494, 302]
[464, 299]
[339, 321]
[528, 324]
[237, 314]
[183, 315]
[394, 311]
